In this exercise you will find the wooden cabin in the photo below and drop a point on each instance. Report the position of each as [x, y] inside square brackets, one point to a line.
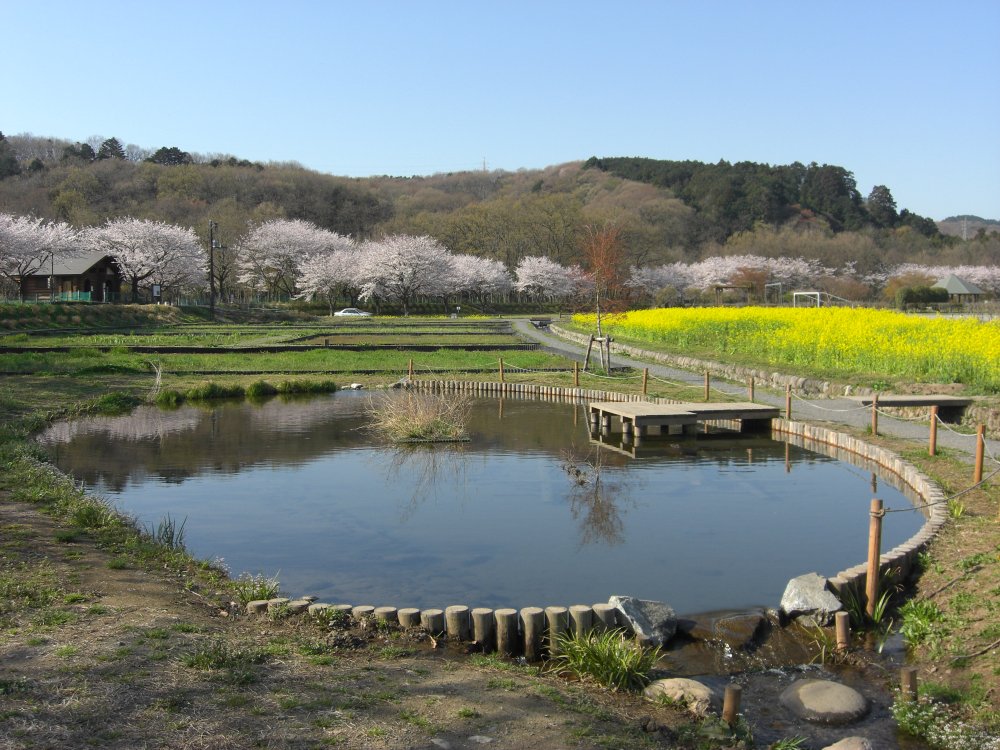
[90, 277]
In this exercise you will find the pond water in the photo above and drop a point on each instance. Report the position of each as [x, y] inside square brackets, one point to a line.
[531, 511]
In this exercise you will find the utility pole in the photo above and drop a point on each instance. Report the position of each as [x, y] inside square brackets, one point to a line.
[212, 226]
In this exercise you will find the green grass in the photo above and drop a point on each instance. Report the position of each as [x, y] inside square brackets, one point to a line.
[609, 658]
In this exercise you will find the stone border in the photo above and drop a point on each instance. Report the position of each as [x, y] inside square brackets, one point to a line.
[532, 630]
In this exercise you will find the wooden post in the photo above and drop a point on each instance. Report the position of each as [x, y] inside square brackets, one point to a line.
[576, 374]
[501, 369]
[581, 619]
[932, 448]
[388, 615]
[362, 612]
[750, 393]
[977, 473]
[842, 621]
[645, 379]
[409, 371]
[875, 415]
[432, 620]
[483, 631]
[506, 631]
[590, 346]
[558, 622]
[708, 396]
[788, 401]
[457, 621]
[409, 617]
[908, 683]
[605, 616]
[533, 620]
[874, 552]
[731, 704]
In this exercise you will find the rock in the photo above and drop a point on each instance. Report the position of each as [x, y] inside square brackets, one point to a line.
[696, 697]
[824, 702]
[654, 623]
[442, 743]
[480, 739]
[851, 743]
[808, 597]
[742, 631]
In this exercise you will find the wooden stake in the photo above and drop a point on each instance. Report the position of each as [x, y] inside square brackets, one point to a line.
[507, 643]
[875, 415]
[908, 683]
[750, 389]
[788, 401]
[977, 473]
[409, 372]
[590, 346]
[708, 396]
[482, 629]
[533, 622]
[457, 622]
[501, 369]
[932, 448]
[645, 379]
[874, 552]
[576, 374]
[731, 704]
[558, 622]
[842, 621]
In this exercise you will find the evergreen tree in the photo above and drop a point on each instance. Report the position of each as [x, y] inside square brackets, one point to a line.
[111, 149]
[8, 160]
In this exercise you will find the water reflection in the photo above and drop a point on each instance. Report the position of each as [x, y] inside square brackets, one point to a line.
[299, 487]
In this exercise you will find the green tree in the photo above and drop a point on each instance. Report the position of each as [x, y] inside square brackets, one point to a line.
[111, 149]
[170, 157]
[8, 160]
[882, 206]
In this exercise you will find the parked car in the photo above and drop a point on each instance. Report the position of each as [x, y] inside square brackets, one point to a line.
[352, 312]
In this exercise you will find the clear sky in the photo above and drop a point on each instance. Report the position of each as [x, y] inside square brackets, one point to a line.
[905, 94]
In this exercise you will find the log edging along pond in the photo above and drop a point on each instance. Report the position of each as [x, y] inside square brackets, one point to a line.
[532, 631]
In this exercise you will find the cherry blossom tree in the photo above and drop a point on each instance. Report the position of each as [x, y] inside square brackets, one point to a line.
[333, 273]
[270, 254]
[403, 267]
[541, 278]
[152, 252]
[480, 277]
[27, 244]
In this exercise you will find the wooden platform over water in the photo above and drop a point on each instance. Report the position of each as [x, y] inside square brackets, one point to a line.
[637, 416]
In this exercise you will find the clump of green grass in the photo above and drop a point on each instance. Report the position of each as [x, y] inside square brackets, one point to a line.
[211, 390]
[249, 587]
[923, 621]
[168, 533]
[219, 654]
[114, 403]
[609, 658]
[260, 389]
[419, 416]
[306, 386]
[169, 398]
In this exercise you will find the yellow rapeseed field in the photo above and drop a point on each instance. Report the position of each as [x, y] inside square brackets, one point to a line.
[829, 339]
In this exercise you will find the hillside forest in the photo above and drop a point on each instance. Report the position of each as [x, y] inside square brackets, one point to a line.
[664, 212]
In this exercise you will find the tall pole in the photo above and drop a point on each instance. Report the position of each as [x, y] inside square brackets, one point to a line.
[211, 268]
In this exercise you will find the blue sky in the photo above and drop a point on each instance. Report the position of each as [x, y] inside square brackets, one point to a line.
[905, 94]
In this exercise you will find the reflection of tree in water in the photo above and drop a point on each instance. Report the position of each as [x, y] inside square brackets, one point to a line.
[425, 467]
[596, 498]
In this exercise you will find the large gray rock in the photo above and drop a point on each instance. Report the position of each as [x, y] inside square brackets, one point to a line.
[809, 598]
[852, 743]
[654, 623]
[824, 702]
[696, 697]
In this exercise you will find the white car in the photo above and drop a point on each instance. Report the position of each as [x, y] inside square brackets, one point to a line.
[349, 312]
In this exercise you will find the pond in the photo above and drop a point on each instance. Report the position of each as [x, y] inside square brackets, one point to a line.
[531, 511]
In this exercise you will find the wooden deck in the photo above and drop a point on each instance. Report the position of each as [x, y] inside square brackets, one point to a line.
[638, 416]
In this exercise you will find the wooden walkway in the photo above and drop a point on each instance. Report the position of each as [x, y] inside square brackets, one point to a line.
[637, 416]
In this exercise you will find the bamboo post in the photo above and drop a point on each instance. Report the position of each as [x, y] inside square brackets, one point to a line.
[506, 631]
[750, 393]
[707, 386]
[731, 704]
[874, 552]
[576, 374]
[483, 631]
[645, 379]
[875, 415]
[457, 622]
[533, 621]
[558, 622]
[932, 447]
[842, 621]
[788, 401]
[977, 473]
[908, 683]
[501, 369]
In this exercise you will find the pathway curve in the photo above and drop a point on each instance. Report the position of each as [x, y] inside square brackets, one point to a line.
[831, 410]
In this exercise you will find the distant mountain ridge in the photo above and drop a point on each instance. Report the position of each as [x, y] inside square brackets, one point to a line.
[967, 226]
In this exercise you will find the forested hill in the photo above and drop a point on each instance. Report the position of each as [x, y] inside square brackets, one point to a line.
[736, 197]
[667, 210]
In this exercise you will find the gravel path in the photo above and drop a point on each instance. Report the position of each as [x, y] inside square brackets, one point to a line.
[830, 410]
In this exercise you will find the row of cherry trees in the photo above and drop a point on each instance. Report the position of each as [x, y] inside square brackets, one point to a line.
[294, 258]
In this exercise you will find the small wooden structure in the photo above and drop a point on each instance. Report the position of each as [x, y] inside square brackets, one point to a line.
[637, 417]
[90, 277]
[950, 408]
[959, 290]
